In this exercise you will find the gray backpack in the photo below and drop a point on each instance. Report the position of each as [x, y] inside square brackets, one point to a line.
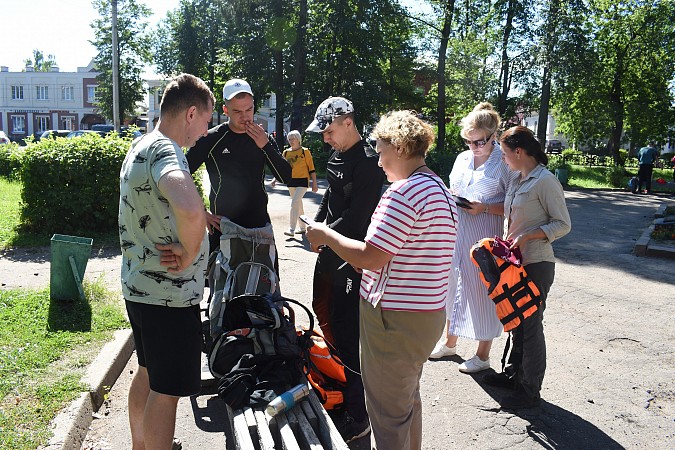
[244, 265]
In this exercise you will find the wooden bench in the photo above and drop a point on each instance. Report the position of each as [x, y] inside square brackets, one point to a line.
[305, 426]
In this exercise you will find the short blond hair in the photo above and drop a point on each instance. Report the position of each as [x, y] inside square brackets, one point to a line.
[482, 118]
[405, 131]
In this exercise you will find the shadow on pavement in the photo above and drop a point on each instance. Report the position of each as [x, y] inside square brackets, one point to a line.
[551, 426]
[213, 417]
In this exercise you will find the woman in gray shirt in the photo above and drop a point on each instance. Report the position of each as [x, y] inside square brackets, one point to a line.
[535, 215]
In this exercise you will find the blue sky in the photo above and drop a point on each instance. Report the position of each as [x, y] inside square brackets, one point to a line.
[56, 27]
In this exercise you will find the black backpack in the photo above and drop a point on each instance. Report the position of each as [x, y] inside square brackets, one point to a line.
[259, 354]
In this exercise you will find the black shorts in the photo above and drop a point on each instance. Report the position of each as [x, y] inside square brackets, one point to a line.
[169, 345]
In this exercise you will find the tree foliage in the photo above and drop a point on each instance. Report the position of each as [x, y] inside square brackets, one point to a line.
[133, 50]
[621, 79]
[601, 67]
[39, 62]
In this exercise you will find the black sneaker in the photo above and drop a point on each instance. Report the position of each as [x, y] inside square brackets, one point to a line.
[500, 380]
[352, 430]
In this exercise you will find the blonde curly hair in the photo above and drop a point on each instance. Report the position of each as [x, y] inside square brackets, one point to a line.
[405, 131]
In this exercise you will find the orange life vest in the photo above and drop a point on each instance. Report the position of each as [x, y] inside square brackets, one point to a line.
[515, 296]
[325, 371]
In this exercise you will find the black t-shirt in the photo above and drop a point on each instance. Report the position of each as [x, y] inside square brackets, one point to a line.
[236, 168]
[354, 188]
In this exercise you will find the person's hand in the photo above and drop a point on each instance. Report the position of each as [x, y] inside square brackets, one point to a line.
[315, 187]
[273, 183]
[316, 235]
[476, 208]
[212, 222]
[518, 241]
[173, 256]
[257, 133]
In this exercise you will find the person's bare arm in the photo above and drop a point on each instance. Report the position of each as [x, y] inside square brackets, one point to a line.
[359, 254]
[179, 189]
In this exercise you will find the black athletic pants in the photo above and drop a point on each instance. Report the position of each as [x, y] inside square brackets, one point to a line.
[645, 177]
[336, 305]
[527, 361]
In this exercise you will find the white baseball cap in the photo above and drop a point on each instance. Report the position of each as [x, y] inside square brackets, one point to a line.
[327, 111]
[234, 87]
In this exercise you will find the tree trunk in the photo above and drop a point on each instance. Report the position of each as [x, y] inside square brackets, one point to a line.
[279, 81]
[300, 68]
[544, 105]
[445, 35]
[504, 73]
[549, 46]
[617, 108]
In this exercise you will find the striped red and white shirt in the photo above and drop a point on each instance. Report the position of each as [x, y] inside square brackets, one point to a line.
[412, 222]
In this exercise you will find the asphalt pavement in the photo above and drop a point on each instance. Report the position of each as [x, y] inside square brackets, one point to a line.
[610, 379]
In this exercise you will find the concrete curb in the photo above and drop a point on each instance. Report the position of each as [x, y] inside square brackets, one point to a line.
[645, 246]
[72, 424]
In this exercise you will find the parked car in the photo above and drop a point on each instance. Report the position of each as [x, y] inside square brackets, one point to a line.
[553, 146]
[105, 129]
[3, 138]
[54, 134]
[78, 133]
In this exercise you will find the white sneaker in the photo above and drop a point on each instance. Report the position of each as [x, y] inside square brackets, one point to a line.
[473, 365]
[289, 232]
[442, 350]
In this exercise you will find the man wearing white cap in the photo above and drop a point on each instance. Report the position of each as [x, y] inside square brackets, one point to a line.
[235, 154]
[354, 188]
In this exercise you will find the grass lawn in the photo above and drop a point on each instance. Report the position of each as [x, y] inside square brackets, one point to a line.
[45, 348]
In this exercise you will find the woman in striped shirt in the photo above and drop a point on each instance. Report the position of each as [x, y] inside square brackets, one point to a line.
[405, 259]
[481, 176]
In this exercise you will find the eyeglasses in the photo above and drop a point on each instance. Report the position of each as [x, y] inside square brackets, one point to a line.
[479, 143]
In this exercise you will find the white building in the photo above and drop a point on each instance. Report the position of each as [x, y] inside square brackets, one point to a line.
[263, 116]
[32, 102]
[532, 122]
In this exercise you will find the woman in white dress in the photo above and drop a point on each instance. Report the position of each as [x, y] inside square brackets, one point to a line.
[480, 176]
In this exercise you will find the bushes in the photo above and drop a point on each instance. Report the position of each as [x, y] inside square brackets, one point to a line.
[71, 186]
[10, 160]
[616, 176]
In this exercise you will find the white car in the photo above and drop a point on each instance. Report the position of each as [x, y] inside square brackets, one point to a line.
[3, 138]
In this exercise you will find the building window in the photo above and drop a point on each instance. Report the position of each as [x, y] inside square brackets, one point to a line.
[42, 123]
[17, 92]
[68, 123]
[42, 92]
[18, 124]
[91, 94]
[67, 92]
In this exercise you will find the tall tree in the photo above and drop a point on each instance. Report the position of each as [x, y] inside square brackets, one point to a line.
[133, 50]
[40, 63]
[624, 79]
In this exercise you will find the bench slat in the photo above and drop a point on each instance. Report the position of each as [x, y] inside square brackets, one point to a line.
[327, 432]
[288, 441]
[266, 439]
[242, 436]
[305, 431]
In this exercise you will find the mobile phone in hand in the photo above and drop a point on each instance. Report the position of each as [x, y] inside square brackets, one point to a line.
[462, 202]
[306, 219]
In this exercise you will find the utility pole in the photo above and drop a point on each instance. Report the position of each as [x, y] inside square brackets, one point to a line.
[115, 69]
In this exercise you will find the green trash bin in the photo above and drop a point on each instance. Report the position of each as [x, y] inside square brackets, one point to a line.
[561, 175]
[69, 261]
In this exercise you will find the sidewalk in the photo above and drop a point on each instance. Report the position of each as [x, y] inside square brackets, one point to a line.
[609, 326]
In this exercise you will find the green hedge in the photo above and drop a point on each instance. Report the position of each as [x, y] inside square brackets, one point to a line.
[10, 160]
[71, 186]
